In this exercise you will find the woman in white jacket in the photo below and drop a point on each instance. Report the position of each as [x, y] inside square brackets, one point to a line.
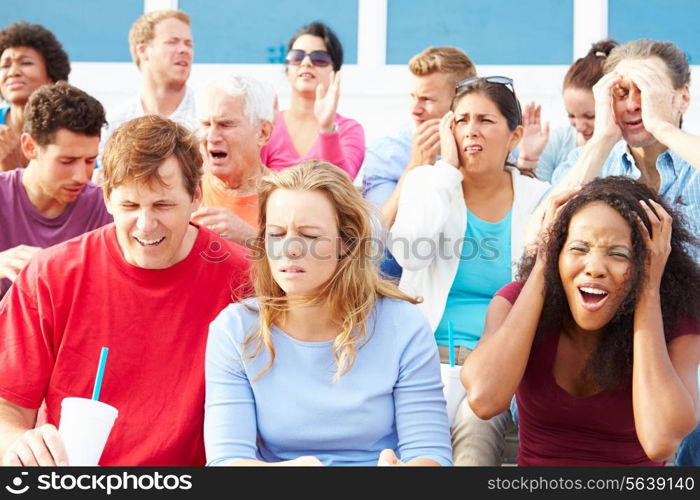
[459, 234]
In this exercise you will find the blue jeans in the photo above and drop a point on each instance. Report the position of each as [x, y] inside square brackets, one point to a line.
[389, 266]
[514, 411]
[689, 450]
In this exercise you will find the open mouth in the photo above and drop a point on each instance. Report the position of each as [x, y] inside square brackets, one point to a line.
[217, 154]
[473, 149]
[149, 243]
[592, 298]
[633, 123]
[306, 75]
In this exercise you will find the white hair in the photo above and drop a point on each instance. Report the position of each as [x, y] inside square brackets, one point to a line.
[259, 96]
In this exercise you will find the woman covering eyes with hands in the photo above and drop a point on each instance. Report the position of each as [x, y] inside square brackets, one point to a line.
[329, 364]
[459, 234]
[311, 128]
[600, 341]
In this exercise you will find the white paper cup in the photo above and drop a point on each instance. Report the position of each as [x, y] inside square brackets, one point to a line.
[452, 388]
[84, 428]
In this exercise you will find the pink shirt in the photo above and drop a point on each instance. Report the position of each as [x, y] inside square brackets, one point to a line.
[344, 148]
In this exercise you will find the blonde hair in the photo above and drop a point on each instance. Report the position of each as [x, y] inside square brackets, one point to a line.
[352, 291]
[450, 60]
[144, 28]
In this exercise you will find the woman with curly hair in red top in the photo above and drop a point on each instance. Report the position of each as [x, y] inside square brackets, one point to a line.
[600, 342]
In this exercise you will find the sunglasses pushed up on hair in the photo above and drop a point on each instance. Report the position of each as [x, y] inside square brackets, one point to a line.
[501, 80]
[319, 58]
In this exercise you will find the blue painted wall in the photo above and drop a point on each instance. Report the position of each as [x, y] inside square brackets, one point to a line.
[489, 31]
[240, 31]
[677, 21]
[90, 30]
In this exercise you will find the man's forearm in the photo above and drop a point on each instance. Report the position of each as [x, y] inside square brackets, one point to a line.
[14, 421]
[589, 164]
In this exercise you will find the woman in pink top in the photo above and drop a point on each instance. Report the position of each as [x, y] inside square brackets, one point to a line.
[600, 343]
[311, 128]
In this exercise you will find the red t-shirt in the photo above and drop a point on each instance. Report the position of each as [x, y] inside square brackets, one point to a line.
[557, 428]
[82, 295]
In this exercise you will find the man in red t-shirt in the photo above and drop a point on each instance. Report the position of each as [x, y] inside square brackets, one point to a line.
[147, 287]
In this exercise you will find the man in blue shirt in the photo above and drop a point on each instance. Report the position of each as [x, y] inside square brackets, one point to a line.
[435, 72]
[641, 100]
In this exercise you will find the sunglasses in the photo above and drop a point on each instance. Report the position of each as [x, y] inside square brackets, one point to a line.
[501, 80]
[319, 58]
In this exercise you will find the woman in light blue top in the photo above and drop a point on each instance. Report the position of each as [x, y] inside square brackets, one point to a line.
[459, 234]
[329, 364]
[540, 152]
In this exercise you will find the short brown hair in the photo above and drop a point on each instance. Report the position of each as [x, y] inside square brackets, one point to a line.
[138, 148]
[56, 106]
[144, 28]
[450, 60]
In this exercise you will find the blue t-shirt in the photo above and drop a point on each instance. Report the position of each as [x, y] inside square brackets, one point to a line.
[391, 397]
[484, 267]
[3, 115]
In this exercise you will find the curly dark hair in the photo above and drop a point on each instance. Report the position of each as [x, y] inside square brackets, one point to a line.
[61, 105]
[23, 34]
[610, 365]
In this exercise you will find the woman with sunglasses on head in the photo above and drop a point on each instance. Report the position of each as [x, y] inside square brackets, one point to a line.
[329, 364]
[30, 56]
[541, 153]
[459, 234]
[600, 342]
[311, 128]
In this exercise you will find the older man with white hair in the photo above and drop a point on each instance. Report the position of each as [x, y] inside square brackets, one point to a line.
[235, 123]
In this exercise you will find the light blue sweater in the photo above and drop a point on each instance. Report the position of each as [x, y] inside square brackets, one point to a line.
[391, 398]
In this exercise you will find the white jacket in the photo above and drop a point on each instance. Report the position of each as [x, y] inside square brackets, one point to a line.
[432, 214]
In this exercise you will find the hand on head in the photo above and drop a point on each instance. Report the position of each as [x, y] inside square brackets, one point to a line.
[605, 123]
[554, 206]
[661, 103]
[448, 144]
[658, 242]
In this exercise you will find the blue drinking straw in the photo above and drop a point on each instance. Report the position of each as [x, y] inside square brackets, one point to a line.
[100, 373]
[451, 341]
